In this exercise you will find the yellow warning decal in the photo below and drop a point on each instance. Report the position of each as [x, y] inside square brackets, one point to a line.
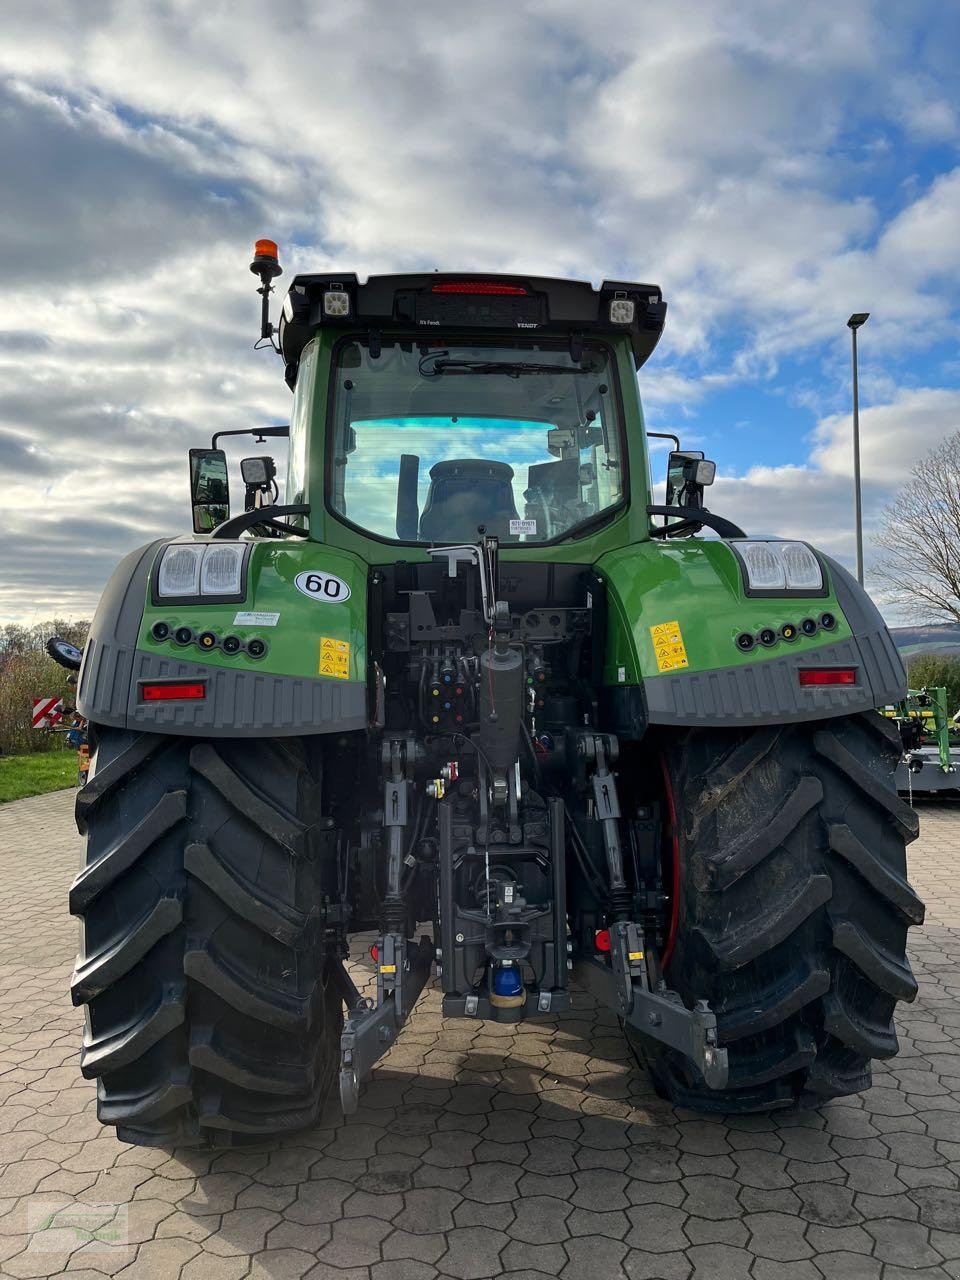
[334, 658]
[668, 646]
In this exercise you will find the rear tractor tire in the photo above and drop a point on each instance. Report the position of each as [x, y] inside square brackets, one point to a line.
[212, 1018]
[793, 907]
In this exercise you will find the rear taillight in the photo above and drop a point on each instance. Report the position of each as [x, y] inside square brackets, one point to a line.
[488, 287]
[188, 691]
[827, 675]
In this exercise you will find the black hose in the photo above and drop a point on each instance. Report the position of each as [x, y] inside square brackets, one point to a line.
[600, 890]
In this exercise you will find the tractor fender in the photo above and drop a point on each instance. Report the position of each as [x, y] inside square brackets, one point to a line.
[284, 693]
[676, 611]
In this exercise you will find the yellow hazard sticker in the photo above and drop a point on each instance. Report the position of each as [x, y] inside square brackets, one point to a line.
[668, 646]
[334, 658]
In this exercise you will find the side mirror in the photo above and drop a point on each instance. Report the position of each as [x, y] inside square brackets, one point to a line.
[209, 489]
[688, 474]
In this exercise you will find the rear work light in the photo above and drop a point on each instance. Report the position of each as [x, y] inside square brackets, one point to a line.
[622, 309]
[810, 676]
[488, 287]
[189, 691]
[336, 301]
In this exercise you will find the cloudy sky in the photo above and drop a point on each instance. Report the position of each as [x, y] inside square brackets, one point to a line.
[773, 165]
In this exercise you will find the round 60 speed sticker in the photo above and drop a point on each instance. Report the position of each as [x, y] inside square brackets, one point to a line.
[326, 588]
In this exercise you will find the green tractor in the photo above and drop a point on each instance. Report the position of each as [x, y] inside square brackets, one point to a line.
[467, 685]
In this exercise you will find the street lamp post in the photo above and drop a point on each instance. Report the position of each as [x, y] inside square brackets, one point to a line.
[856, 320]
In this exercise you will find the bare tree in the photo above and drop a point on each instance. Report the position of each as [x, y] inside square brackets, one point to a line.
[920, 536]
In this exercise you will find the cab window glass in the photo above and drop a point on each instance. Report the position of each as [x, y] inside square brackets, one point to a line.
[437, 441]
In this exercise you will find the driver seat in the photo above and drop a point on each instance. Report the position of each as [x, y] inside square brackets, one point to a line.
[465, 493]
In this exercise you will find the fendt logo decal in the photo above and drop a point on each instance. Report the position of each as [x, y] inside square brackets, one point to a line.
[325, 588]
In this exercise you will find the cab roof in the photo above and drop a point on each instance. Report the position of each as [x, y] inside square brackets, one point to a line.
[471, 301]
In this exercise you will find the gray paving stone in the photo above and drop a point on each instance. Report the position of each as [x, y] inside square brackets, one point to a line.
[593, 1256]
[320, 1201]
[828, 1205]
[590, 1222]
[428, 1210]
[551, 1155]
[354, 1242]
[408, 1269]
[767, 1269]
[903, 1243]
[938, 1207]
[714, 1231]
[911, 1273]
[520, 1256]
[946, 1243]
[473, 1252]
[540, 1220]
[720, 1262]
[766, 1169]
[281, 1264]
[763, 1200]
[407, 1244]
[640, 1265]
[489, 1183]
[600, 1189]
[531, 1275]
[839, 1239]
[473, 1213]
[711, 1197]
[560, 1185]
[778, 1236]
[657, 1228]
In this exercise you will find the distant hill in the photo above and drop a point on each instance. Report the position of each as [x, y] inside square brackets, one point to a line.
[943, 638]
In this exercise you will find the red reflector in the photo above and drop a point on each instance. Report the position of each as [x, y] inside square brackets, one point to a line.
[488, 287]
[173, 692]
[601, 939]
[375, 953]
[828, 675]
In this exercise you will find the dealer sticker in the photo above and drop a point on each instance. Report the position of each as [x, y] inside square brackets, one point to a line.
[668, 646]
[256, 619]
[523, 526]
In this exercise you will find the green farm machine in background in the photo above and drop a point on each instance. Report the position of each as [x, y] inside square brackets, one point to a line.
[468, 684]
[931, 743]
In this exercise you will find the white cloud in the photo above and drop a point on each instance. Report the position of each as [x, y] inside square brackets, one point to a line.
[814, 501]
[892, 436]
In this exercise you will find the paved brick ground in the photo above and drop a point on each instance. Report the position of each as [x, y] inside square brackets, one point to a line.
[479, 1151]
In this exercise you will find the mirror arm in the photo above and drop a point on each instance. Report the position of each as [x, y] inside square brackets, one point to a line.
[236, 525]
[695, 516]
[665, 435]
[259, 432]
